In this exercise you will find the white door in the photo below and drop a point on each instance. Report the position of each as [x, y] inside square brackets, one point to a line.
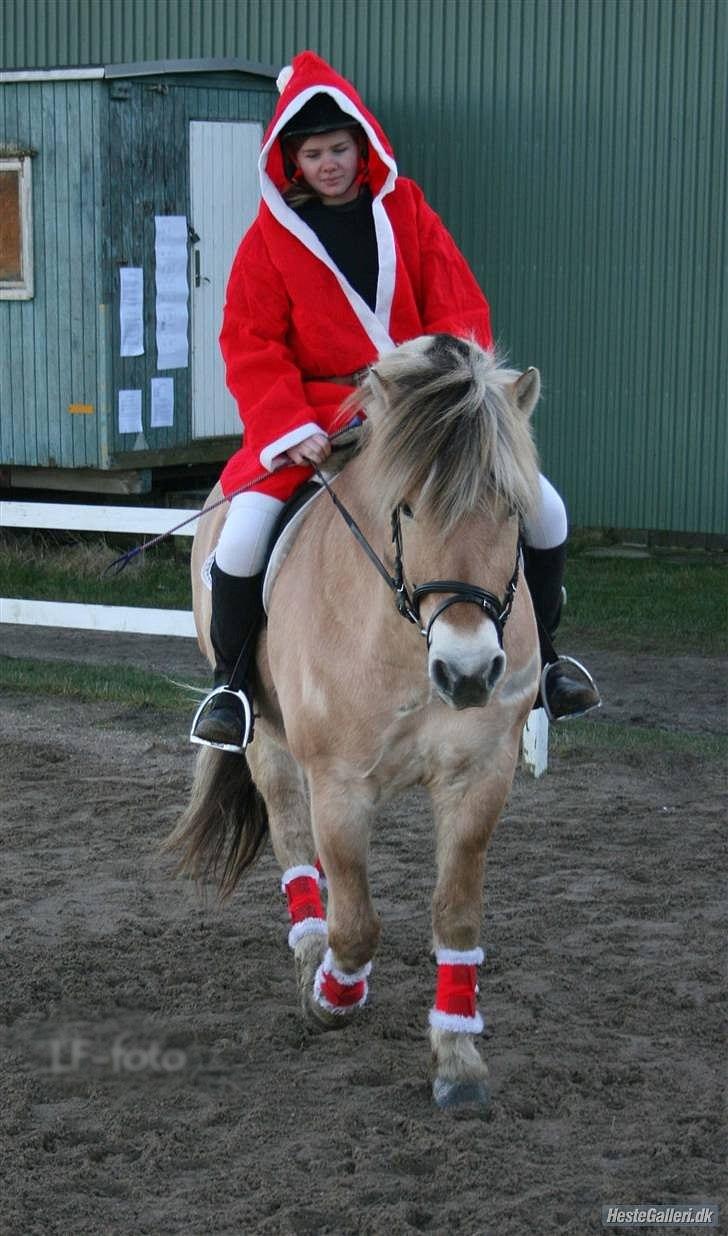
[224, 196]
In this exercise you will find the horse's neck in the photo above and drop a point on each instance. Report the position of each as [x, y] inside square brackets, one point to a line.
[357, 579]
[354, 491]
[353, 488]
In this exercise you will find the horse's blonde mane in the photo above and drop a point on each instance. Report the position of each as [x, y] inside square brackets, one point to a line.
[446, 431]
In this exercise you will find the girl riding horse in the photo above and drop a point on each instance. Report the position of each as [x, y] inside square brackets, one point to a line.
[344, 262]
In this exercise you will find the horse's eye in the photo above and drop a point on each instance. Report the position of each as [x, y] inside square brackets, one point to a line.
[406, 510]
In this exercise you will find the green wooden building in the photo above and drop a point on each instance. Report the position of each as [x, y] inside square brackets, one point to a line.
[575, 148]
[102, 159]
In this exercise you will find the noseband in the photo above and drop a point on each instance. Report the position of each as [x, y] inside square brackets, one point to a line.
[408, 603]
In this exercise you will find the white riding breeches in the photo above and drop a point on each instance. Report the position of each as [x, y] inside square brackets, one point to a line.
[244, 540]
[548, 526]
[248, 528]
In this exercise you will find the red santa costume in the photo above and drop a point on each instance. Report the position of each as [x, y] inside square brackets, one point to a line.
[292, 318]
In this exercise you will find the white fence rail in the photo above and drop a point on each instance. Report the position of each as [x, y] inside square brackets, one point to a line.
[132, 619]
[138, 621]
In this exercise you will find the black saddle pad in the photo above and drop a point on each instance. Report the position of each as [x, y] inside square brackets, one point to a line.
[292, 507]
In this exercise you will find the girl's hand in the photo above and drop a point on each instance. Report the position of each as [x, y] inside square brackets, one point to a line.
[314, 450]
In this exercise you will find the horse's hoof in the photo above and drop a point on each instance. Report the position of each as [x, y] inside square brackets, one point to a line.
[318, 1018]
[456, 1096]
[308, 958]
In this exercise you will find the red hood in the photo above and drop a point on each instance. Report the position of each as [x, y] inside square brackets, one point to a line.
[306, 76]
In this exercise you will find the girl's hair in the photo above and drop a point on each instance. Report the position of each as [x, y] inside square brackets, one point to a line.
[297, 192]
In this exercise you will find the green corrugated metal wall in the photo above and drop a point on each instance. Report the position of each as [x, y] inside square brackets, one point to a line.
[576, 148]
[53, 348]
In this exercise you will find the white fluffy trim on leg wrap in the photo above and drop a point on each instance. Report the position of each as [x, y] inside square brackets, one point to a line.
[307, 927]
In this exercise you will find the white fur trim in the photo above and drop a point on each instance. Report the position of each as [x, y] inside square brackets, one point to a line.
[387, 265]
[284, 77]
[206, 571]
[293, 873]
[451, 957]
[307, 927]
[346, 980]
[269, 456]
[375, 324]
[456, 1022]
[340, 1010]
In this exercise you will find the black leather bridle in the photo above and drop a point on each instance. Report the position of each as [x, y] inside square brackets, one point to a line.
[408, 603]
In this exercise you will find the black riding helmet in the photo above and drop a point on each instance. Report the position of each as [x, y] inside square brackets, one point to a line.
[320, 114]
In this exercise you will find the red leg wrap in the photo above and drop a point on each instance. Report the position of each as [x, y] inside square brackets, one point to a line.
[456, 993]
[336, 993]
[305, 908]
[339, 992]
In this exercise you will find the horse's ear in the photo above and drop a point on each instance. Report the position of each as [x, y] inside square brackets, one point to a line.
[378, 389]
[526, 391]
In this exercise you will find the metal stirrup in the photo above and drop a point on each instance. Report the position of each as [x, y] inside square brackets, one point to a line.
[247, 722]
[580, 712]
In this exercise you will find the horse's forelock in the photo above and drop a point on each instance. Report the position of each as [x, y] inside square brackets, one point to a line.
[446, 431]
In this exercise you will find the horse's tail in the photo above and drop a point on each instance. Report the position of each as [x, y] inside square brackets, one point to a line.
[225, 824]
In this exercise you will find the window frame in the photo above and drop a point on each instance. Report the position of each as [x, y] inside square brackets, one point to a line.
[21, 289]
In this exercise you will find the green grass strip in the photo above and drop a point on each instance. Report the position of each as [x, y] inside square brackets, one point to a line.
[646, 605]
[75, 573]
[117, 684]
[577, 736]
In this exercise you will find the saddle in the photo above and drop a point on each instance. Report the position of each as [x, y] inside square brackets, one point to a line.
[290, 522]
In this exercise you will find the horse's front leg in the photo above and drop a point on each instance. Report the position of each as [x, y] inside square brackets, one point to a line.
[341, 819]
[465, 818]
[281, 782]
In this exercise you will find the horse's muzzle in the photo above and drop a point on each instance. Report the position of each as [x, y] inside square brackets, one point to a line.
[473, 690]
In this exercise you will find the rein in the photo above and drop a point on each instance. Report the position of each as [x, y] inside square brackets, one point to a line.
[408, 604]
[118, 565]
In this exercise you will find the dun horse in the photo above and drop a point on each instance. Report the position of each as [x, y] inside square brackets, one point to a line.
[355, 705]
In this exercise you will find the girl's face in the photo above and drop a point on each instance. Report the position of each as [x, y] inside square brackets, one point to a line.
[328, 163]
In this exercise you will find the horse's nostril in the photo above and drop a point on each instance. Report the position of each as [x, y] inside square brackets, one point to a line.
[441, 675]
[496, 670]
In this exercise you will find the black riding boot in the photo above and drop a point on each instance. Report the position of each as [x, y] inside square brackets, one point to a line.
[567, 688]
[237, 609]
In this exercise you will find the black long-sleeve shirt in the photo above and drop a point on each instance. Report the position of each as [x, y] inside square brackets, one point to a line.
[347, 233]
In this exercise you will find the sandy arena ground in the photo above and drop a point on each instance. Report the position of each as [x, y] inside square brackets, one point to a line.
[157, 1077]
